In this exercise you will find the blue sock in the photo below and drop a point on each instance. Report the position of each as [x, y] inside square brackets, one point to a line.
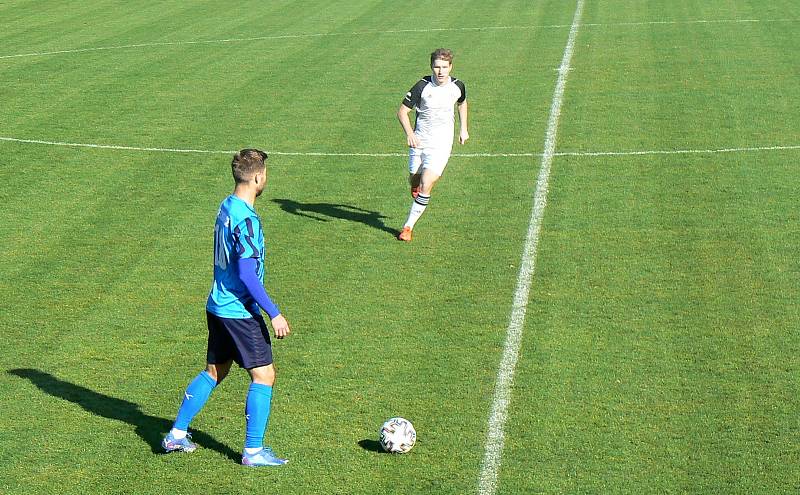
[195, 397]
[256, 411]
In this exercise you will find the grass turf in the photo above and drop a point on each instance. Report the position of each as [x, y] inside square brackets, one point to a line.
[658, 355]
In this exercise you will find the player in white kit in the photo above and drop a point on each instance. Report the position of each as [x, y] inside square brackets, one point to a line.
[430, 141]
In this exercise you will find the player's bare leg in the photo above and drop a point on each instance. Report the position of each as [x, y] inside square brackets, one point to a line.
[427, 180]
[414, 180]
[263, 374]
[219, 371]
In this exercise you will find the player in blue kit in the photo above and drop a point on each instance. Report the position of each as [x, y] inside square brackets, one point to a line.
[236, 330]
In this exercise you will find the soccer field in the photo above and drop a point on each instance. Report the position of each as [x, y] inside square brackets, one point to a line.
[603, 296]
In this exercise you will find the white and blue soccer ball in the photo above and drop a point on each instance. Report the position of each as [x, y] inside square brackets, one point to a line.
[398, 435]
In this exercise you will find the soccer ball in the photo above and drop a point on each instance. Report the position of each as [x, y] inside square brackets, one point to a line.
[398, 435]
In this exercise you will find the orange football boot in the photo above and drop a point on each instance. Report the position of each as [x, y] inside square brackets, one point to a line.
[405, 235]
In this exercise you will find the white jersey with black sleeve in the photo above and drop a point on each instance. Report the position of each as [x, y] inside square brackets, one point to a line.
[434, 105]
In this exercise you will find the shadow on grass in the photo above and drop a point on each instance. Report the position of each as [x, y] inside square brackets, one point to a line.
[371, 445]
[323, 212]
[149, 428]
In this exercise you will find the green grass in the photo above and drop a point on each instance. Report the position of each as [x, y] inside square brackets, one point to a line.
[660, 346]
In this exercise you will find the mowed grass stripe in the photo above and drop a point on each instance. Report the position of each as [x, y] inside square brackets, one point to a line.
[663, 354]
[714, 96]
[111, 355]
[154, 44]
[666, 356]
[114, 98]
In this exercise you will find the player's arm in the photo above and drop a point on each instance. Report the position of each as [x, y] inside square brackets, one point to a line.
[463, 134]
[402, 115]
[463, 111]
[411, 101]
[248, 274]
[249, 255]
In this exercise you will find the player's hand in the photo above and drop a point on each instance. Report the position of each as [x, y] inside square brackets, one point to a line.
[413, 141]
[462, 137]
[280, 326]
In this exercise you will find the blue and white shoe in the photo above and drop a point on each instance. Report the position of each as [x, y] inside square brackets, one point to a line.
[264, 457]
[172, 444]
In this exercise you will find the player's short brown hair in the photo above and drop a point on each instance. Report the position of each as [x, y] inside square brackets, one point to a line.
[247, 163]
[442, 54]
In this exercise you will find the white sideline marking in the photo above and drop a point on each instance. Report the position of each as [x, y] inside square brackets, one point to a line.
[107, 146]
[390, 31]
[392, 155]
[676, 152]
[697, 21]
[505, 376]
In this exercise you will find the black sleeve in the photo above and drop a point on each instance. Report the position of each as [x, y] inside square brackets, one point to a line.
[463, 89]
[414, 94]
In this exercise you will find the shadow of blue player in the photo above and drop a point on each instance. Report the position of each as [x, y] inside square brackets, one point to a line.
[150, 428]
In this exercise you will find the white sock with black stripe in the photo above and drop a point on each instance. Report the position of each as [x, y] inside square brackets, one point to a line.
[417, 209]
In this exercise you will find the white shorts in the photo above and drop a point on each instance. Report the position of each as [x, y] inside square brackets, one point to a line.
[432, 159]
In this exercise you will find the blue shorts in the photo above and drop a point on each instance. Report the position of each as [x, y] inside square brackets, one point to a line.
[245, 341]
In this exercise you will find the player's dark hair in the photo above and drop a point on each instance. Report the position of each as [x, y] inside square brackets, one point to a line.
[246, 163]
[441, 54]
